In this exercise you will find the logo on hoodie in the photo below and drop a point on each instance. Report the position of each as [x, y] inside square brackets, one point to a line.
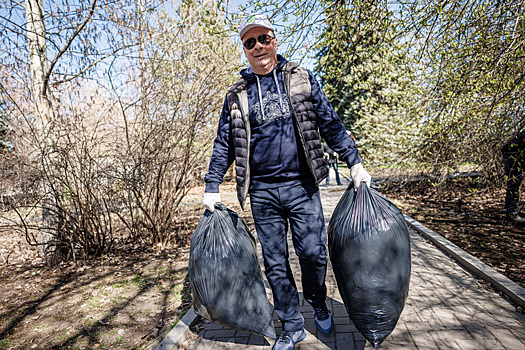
[271, 104]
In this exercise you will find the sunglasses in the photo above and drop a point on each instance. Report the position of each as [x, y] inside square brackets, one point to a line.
[264, 39]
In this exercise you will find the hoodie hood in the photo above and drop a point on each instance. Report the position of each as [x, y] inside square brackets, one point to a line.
[248, 74]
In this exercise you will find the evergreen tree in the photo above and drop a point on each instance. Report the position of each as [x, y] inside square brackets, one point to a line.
[363, 68]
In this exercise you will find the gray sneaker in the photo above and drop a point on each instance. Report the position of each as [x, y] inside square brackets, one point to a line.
[287, 340]
[323, 319]
[515, 219]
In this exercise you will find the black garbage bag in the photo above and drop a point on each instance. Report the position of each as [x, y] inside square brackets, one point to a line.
[225, 276]
[369, 249]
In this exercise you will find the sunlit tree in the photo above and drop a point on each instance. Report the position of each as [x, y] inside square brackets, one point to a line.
[365, 70]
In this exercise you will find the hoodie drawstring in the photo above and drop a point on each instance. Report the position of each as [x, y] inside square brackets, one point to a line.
[260, 97]
[278, 91]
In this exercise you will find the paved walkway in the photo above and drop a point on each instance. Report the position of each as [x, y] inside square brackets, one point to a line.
[447, 308]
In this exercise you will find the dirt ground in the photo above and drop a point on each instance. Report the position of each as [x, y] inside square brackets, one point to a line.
[121, 302]
[129, 299]
[126, 300]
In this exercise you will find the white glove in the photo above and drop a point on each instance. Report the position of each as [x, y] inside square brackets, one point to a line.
[358, 175]
[209, 199]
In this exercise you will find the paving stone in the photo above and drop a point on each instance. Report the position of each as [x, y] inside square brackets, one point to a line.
[228, 345]
[306, 310]
[309, 324]
[392, 345]
[326, 338]
[400, 335]
[451, 334]
[220, 333]
[519, 332]
[242, 334]
[358, 337]
[204, 344]
[422, 339]
[425, 326]
[339, 311]
[447, 317]
[343, 321]
[316, 346]
[343, 340]
[255, 339]
[477, 330]
[508, 339]
[363, 345]
[409, 314]
[489, 344]
[449, 344]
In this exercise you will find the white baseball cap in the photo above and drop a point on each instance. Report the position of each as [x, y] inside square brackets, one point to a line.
[254, 20]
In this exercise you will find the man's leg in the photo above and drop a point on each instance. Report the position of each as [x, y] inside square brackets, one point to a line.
[271, 226]
[337, 178]
[309, 238]
[307, 225]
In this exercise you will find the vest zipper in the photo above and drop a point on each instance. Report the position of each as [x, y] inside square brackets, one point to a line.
[287, 80]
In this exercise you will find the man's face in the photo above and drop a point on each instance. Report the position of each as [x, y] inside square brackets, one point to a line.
[262, 58]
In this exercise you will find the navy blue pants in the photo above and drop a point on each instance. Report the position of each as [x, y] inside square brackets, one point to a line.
[514, 165]
[337, 178]
[297, 206]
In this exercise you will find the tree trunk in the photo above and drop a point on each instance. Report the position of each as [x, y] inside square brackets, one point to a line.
[142, 60]
[36, 39]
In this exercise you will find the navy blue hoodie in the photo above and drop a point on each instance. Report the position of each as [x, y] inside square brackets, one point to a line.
[274, 146]
[274, 156]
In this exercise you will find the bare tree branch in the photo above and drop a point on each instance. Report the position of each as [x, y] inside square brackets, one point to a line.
[92, 64]
[66, 46]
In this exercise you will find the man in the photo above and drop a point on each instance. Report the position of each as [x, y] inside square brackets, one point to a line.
[514, 161]
[270, 125]
[331, 159]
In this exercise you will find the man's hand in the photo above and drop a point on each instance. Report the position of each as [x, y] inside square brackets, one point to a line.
[358, 175]
[209, 199]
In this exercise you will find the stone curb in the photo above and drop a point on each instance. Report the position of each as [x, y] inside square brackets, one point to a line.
[177, 335]
[503, 284]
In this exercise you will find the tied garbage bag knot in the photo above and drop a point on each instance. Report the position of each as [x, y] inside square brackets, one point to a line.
[225, 276]
[369, 247]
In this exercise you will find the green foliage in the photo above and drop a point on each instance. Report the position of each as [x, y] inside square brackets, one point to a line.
[473, 73]
[363, 67]
[458, 87]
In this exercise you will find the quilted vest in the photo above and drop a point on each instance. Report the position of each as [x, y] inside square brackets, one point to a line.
[299, 93]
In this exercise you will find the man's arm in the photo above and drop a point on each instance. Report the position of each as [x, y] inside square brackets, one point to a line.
[330, 127]
[222, 156]
[336, 136]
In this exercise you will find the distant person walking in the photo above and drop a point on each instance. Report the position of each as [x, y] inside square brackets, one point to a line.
[514, 161]
[331, 159]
